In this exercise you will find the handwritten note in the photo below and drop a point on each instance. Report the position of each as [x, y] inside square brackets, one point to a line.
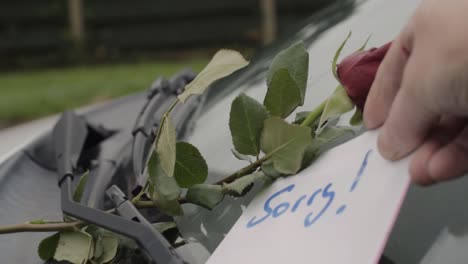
[339, 210]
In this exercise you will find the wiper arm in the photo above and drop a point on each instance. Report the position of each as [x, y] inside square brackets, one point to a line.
[70, 135]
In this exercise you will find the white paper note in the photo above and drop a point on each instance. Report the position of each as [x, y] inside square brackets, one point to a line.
[339, 210]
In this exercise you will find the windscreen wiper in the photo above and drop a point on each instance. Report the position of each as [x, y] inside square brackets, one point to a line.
[69, 137]
[70, 134]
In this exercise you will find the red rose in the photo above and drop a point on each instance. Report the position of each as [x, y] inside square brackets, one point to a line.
[357, 72]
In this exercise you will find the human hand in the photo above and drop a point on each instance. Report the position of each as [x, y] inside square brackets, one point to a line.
[420, 93]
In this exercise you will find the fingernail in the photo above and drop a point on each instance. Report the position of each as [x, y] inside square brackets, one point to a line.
[370, 120]
[426, 182]
[419, 173]
[387, 147]
[369, 123]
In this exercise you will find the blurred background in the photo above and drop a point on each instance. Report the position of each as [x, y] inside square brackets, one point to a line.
[63, 54]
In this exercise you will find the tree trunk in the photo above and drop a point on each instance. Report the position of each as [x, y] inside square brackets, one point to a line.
[76, 20]
[269, 20]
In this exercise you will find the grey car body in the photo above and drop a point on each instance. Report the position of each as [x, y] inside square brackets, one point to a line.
[430, 217]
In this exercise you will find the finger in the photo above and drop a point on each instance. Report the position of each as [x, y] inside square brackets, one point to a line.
[387, 81]
[409, 118]
[448, 93]
[451, 161]
[420, 160]
[445, 132]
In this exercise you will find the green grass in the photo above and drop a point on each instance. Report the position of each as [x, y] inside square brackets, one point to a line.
[29, 95]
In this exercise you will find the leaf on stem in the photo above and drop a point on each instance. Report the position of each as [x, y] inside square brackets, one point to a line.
[223, 63]
[166, 146]
[109, 246]
[333, 136]
[330, 137]
[210, 195]
[285, 143]
[269, 170]
[191, 167]
[80, 188]
[287, 80]
[337, 104]
[37, 222]
[356, 119]
[164, 226]
[300, 117]
[205, 195]
[106, 244]
[295, 60]
[168, 230]
[164, 191]
[337, 55]
[241, 156]
[365, 43]
[74, 247]
[98, 247]
[47, 247]
[283, 95]
[246, 124]
[243, 185]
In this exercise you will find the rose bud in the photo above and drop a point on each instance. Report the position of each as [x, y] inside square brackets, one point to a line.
[357, 72]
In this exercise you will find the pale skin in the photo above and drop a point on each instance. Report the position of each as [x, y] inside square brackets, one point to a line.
[420, 94]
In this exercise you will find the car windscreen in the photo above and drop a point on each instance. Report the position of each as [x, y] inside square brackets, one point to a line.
[427, 216]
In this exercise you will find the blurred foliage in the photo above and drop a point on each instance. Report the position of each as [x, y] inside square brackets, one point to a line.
[33, 94]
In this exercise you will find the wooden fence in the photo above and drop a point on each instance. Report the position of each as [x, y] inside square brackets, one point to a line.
[55, 31]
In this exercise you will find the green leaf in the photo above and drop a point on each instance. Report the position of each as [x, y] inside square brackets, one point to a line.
[47, 247]
[164, 226]
[285, 143]
[106, 244]
[295, 60]
[246, 124]
[98, 247]
[164, 191]
[190, 166]
[337, 104]
[283, 95]
[37, 222]
[243, 185]
[205, 195]
[223, 63]
[74, 247]
[356, 119]
[330, 137]
[300, 117]
[80, 188]
[241, 156]
[337, 55]
[166, 146]
[310, 155]
[168, 230]
[269, 170]
[93, 230]
[365, 43]
[110, 245]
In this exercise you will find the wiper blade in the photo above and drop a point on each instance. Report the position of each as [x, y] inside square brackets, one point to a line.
[148, 120]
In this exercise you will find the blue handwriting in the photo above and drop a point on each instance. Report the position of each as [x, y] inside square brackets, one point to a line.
[276, 206]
